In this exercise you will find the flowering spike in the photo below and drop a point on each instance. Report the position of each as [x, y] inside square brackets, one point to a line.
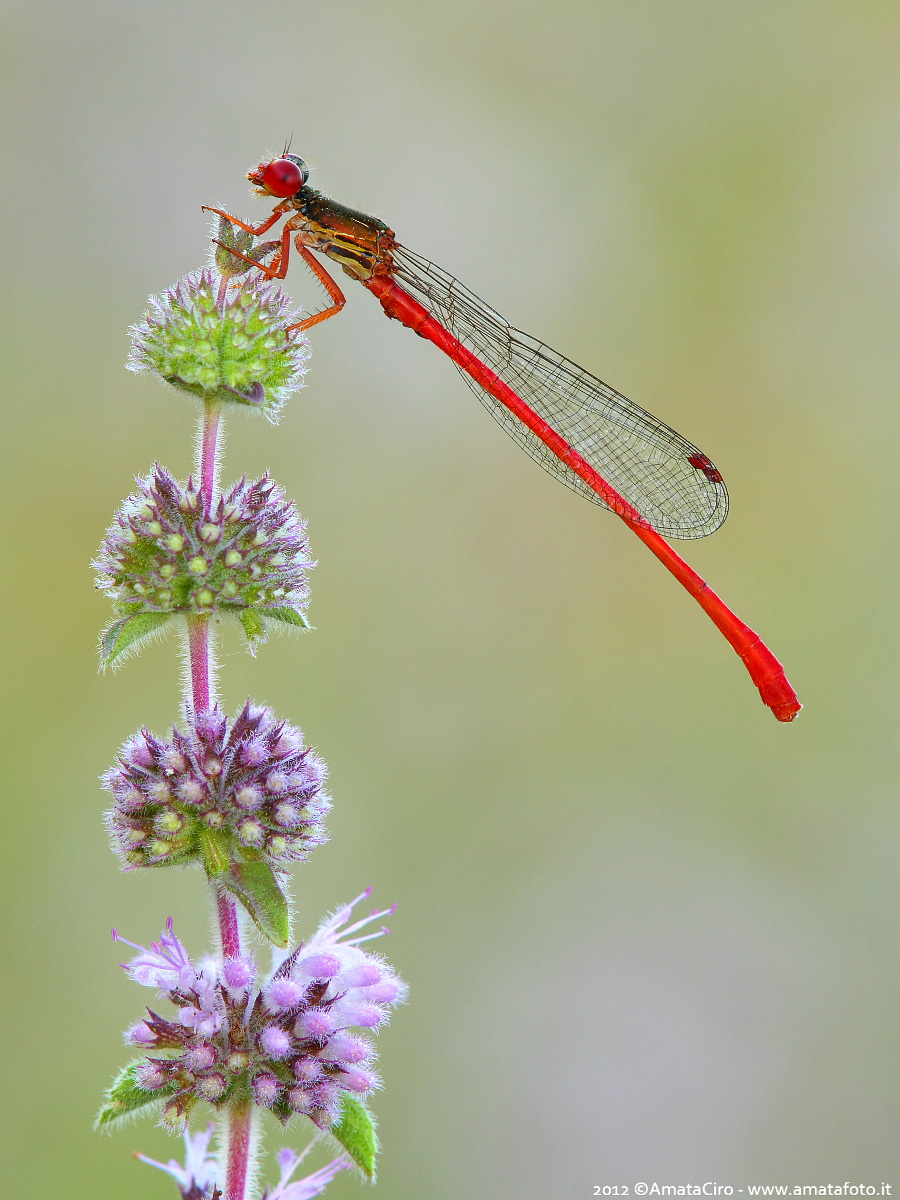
[222, 344]
[243, 797]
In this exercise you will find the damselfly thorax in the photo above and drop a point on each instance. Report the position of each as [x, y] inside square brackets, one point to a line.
[357, 242]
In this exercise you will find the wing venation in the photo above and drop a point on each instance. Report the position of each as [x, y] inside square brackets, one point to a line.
[670, 482]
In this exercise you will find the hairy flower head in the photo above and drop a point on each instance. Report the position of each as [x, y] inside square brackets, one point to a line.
[219, 792]
[224, 343]
[170, 550]
[291, 1043]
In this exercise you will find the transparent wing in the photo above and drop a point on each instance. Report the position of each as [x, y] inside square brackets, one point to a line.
[671, 483]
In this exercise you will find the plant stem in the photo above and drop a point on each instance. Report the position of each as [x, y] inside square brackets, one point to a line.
[198, 653]
[239, 1126]
[209, 431]
[198, 626]
[229, 931]
[238, 1121]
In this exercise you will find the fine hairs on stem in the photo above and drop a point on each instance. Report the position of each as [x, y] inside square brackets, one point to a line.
[237, 1124]
[209, 448]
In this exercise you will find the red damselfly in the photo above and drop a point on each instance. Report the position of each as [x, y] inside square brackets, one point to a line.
[582, 431]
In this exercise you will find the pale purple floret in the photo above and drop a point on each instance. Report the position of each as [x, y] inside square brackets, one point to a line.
[238, 973]
[204, 1017]
[358, 1080]
[140, 1034]
[310, 1185]
[199, 1170]
[347, 1012]
[329, 932]
[165, 965]
[266, 1089]
[361, 984]
[318, 966]
[275, 1042]
[349, 1048]
[283, 994]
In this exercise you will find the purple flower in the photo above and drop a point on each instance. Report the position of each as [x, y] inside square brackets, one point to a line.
[252, 788]
[289, 1042]
[199, 1170]
[307, 1187]
[165, 965]
[172, 550]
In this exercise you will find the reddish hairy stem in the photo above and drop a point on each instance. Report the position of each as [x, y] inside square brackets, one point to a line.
[762, 665]
[209, 432]
[228, 925]
[239, 1121]
[198, 652]
[198, 627]
[239, 1130]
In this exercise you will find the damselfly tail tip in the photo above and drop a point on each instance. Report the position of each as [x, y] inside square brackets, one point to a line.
[778, 695]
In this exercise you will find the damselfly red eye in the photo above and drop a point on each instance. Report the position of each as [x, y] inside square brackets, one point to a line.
[282, 177]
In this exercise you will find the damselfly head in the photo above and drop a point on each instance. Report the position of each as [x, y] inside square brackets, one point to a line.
[282, 177]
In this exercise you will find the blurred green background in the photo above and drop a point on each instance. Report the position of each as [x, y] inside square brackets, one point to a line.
[649, 932]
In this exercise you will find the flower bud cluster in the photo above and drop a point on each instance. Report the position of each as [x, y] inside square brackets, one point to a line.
[170, 550]
[289, 1044]
[250, 790]
[229, 348]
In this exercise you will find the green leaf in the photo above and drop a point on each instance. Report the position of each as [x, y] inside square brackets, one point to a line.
[125, 1097]
[127, 633]
[213, 851]
[254, 626]
[288, 616]
[355, 1132]
[256, 887]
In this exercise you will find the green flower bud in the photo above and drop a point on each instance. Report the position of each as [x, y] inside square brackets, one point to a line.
[224, 343]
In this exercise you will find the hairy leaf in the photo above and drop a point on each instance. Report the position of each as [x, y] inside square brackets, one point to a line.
[288, 616]
[355, 1132]
[254, 626]
[127, 633]
[125, 1097]
[256, 887]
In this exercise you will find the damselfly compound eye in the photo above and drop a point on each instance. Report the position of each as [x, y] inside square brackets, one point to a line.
[282, 177]
[304, 169]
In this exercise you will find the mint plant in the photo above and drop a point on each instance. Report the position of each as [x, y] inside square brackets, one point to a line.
[242, 798]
